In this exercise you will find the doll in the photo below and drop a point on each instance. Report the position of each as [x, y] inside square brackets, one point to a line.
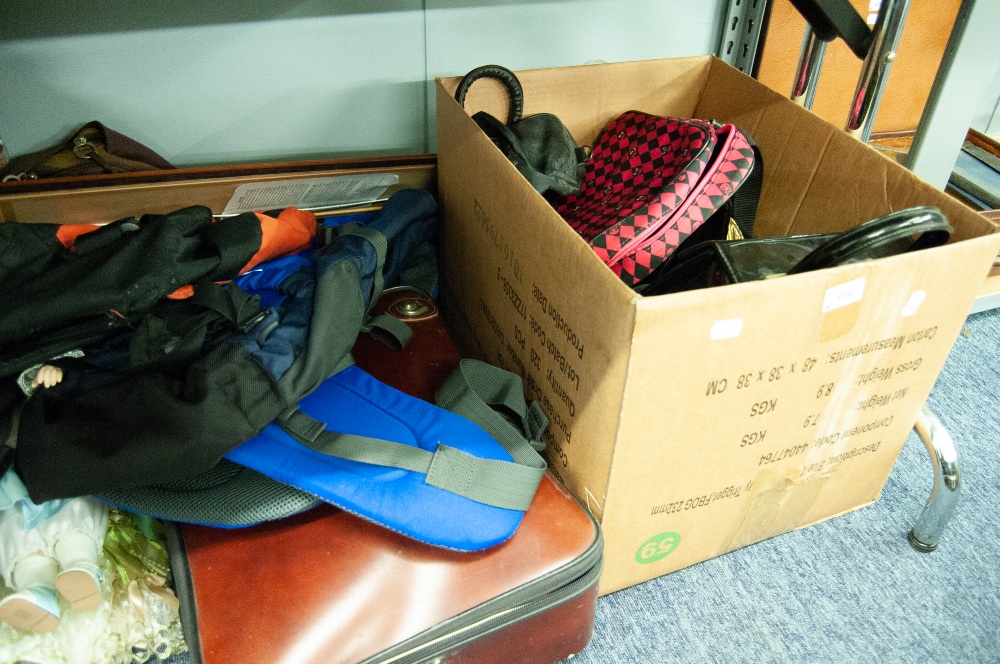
[48, 548]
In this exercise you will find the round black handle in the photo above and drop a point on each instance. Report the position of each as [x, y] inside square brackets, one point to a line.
[501, 74]
[866, 240]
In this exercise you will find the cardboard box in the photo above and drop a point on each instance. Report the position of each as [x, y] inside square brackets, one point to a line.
[696, 423]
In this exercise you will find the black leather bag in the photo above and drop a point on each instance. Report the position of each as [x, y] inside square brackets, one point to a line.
[540, 146]
[722, 262]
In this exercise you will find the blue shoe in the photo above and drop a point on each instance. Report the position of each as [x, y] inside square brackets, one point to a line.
[34, 609]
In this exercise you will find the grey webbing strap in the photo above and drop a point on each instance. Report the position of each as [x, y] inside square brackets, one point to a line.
[471, 390]
[396, 333]
[353, 447]
[476, 387]
[381, 246]
[489, 481]
[389, 330]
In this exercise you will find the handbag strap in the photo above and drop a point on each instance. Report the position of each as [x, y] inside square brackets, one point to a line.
[506, 77]
[887, 235]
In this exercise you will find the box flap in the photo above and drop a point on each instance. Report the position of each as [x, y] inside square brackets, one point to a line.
[818, 178]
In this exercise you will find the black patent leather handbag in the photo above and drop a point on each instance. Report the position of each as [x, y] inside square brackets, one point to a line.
[721, 262]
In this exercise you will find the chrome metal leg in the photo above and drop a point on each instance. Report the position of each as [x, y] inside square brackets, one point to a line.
[875, 70]
[933, 519]
[807, 72]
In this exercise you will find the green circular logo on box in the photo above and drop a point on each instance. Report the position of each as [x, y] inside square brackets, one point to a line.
[657, 547]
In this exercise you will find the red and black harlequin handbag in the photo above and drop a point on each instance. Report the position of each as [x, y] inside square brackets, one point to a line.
[652, 180]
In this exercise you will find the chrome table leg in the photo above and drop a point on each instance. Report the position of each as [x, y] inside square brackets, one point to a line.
[934, 517]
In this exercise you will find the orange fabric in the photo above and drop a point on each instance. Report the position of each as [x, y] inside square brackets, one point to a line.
[67, 233]
[182, 293]
[293, 230]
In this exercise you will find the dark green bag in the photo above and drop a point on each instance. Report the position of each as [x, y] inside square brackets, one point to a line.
[540, 146]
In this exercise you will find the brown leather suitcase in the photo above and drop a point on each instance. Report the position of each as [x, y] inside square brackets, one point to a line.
[327, 586]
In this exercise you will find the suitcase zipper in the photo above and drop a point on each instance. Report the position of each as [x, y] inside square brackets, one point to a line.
[505, 610]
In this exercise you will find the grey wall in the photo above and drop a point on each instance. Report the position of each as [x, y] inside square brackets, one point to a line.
[232, 81]
[987, 119]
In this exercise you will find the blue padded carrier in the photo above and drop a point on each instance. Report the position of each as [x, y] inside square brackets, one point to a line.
[357, 404]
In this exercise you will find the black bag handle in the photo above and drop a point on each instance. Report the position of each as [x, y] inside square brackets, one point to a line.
[887, 235]
[506, 77]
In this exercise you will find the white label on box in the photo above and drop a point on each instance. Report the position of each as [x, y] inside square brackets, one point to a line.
[729, 328]
[913, 304]
[310, 193]
[844, 294]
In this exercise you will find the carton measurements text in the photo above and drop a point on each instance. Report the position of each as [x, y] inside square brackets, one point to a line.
[789, 412]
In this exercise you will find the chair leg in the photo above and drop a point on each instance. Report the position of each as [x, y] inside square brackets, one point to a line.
[933, 519]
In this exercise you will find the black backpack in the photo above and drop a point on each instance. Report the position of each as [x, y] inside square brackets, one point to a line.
[164, 390]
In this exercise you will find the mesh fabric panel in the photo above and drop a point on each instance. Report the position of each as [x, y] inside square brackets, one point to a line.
[227, 495]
